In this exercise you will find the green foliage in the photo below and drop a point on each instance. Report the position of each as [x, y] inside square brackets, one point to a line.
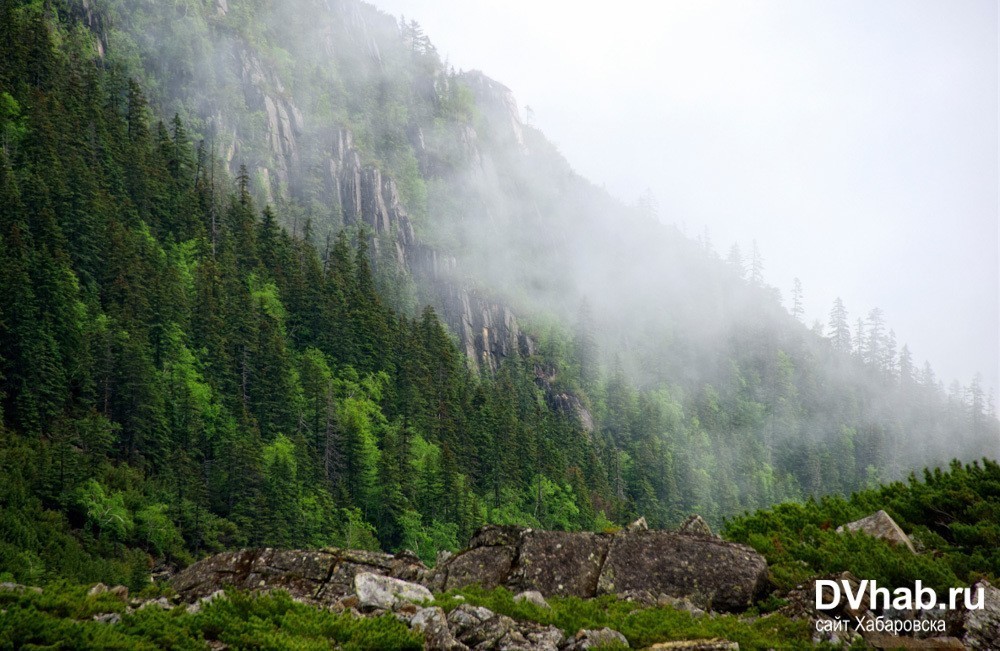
[458, 102]
[107, 513]
[952, 514]
[642, 626]
[62, 615]
[13, 125]
[180, 375]
[155, 529]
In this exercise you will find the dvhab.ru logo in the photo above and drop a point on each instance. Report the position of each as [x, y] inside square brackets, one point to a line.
[829, 594]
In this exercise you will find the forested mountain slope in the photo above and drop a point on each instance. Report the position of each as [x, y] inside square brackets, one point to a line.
[221, 224]
[179, 374]
[705, 393]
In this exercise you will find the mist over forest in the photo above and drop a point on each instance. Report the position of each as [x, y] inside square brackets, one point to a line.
[504, 215]
[279, 275]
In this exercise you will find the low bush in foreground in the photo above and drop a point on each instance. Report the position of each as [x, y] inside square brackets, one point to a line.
[642, 626]
[62, 617]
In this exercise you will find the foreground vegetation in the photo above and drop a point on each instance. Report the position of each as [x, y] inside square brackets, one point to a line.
[62, 617]
[642, 626]
[952, 516]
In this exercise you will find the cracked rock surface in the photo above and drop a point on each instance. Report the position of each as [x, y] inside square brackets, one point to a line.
[708, 571]
[671, 566]
[321, 576]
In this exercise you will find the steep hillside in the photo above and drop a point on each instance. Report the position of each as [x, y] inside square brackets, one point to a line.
[179, 374]
[679, 360]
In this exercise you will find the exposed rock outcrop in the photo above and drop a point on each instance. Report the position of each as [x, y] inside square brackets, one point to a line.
[709, 572]
[487, 329]
[880, 525]
[321, 576]
[672, 567]
[264, 92]
[562, 401]
[499, 104]
[369, 198]
[90, 14]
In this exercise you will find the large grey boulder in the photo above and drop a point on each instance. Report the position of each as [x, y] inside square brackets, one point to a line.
[710, 572]
[559, 563]
[385, 592]
[485, 566]
[880, 525]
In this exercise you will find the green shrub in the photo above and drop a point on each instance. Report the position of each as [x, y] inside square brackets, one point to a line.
[952, 515]
[62, 617]
[642, 626]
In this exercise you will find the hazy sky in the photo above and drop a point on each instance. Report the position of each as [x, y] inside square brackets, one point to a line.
[856, 141]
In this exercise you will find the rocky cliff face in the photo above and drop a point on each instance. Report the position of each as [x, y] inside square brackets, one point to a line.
[487, 329]
[291, 131]
[265, 93]
[562, 401]
[90, 15]
[500, 106]
[366, 197]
